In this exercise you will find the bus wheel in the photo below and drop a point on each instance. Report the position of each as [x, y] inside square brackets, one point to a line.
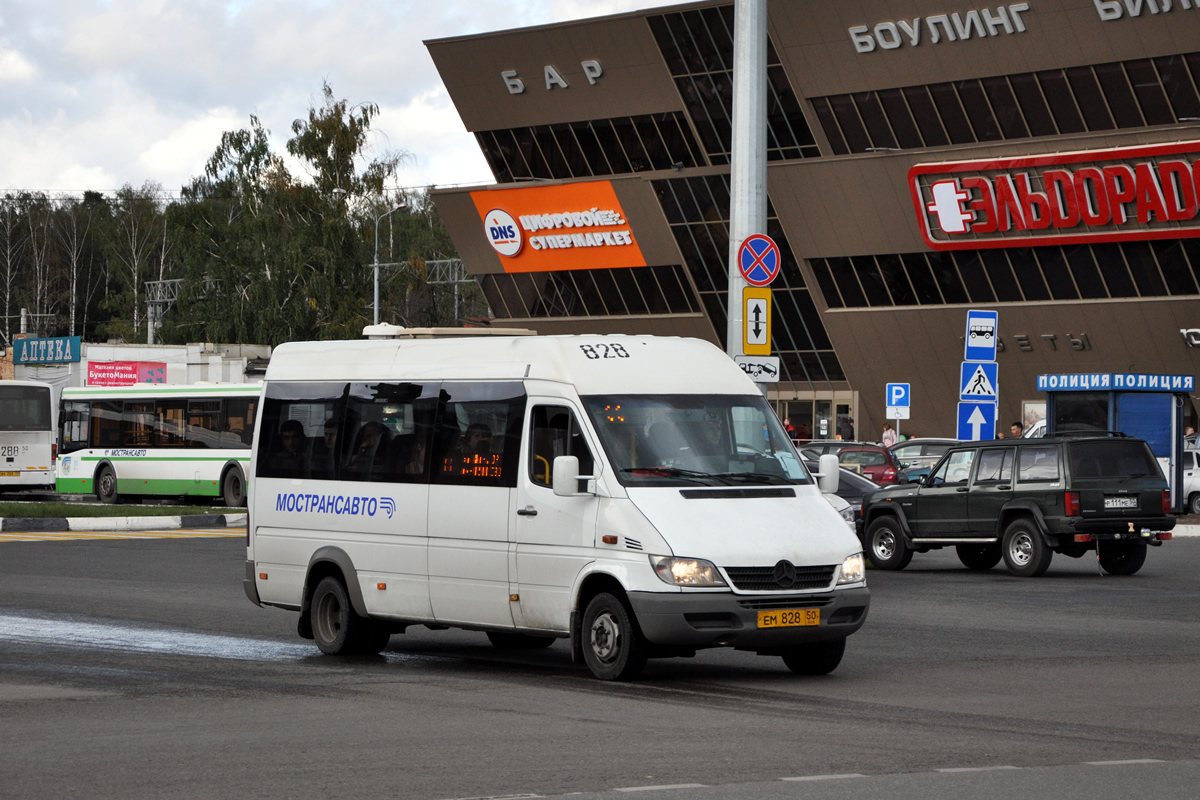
[233, 488]
[106, 485]
[613, 646]
[819, 658]
[337, 627]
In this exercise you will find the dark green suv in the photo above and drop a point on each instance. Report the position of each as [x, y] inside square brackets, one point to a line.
[1024, 501]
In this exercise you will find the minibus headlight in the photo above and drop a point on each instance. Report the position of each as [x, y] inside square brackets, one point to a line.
[686, 571]
[852, 569]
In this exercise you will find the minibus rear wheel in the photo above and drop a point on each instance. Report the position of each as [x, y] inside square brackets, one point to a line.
[337, 627]
[613, 646]
[819, 658]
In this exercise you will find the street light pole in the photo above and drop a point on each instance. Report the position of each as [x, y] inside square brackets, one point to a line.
[376, 265]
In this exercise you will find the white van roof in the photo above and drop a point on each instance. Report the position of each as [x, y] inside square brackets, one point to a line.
[592, 364]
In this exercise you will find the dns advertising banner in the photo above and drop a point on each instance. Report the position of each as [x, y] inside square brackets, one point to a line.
[546, 228]
[125, 373]
[1114, 195]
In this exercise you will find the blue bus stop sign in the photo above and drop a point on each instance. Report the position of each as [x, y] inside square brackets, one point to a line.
[981, 336]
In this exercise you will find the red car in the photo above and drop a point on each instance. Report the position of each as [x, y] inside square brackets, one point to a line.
[872, 461]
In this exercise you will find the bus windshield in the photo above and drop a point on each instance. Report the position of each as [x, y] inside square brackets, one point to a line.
[714, 440]
[24, 408]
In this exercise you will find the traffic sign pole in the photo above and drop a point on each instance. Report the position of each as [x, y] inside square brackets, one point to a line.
[898, 397]
[748, 160]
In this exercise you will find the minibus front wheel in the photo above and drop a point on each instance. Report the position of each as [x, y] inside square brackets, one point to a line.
[613, 646]
[337, 627]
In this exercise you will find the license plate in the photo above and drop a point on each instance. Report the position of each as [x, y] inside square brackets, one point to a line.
[789, 618]
[1120, 502]
[10, 474]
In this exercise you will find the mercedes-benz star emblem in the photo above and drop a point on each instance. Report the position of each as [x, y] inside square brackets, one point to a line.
[784, 574]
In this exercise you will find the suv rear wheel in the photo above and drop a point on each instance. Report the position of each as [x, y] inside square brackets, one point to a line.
[1025, 552]
[885, 544]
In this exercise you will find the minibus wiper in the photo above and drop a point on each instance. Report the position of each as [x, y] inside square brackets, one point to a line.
[670, 472]
[752, 477]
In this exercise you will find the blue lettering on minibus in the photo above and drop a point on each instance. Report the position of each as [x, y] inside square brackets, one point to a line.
[334, 504]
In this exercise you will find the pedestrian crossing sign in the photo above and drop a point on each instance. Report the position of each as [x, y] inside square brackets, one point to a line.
[979, 381]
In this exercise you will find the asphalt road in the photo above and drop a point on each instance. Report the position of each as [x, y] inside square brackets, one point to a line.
[137, 668]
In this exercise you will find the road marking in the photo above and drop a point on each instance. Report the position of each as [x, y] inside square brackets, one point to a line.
[1126, 761]
[176, 533]
[974, 769]
[664, 787]
[825, 777]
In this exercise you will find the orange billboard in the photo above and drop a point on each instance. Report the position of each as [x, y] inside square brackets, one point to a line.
[548, 228]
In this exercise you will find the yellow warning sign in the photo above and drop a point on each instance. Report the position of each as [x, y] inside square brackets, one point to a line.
[756, 321]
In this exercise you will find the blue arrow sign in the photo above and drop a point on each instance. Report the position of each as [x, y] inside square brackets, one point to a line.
[976, 421]
[897, 394]
[981, 336]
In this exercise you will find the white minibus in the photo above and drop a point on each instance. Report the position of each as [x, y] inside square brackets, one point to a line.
[634, 495]
[27, 447]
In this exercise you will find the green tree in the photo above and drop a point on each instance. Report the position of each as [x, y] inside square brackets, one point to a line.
[268, 257]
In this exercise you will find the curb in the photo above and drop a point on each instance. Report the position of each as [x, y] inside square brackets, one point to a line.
[58, 524]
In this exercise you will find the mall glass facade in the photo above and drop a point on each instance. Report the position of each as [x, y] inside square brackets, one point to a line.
[861, 299]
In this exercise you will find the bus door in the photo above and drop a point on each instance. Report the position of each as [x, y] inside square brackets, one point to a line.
[555, 536]
[475, 460]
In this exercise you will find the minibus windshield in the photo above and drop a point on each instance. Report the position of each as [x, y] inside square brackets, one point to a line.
[713, 440]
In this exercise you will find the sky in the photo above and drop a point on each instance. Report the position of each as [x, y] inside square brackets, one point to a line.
[99, 94]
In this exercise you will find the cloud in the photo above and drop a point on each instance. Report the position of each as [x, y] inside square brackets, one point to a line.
[102, 94]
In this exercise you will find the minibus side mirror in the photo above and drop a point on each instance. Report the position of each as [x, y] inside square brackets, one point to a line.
[566, 477]
[828, 478]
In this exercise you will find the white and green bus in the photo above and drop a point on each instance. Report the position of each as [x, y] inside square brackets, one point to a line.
[173, 440]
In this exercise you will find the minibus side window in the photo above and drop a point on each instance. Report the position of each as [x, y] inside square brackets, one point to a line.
[295, 417]
[555, 432]
[478, 440]
[388, 428]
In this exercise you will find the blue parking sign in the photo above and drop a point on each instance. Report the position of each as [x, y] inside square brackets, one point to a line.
[981, 336]
[897, 395]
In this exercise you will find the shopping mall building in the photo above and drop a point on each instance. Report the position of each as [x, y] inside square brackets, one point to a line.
[1040, 159]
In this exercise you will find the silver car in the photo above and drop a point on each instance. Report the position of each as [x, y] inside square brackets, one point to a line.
[916, 456]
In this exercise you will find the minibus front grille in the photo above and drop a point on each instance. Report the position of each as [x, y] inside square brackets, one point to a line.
[762, 603]
[774, 579]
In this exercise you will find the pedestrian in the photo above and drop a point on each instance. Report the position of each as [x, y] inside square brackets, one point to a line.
[1017, 430]
[889, 436]
[999, 434]
[787, 426]
[846, 429]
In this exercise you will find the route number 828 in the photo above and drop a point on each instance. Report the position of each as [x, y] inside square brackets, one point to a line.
[598, 351]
